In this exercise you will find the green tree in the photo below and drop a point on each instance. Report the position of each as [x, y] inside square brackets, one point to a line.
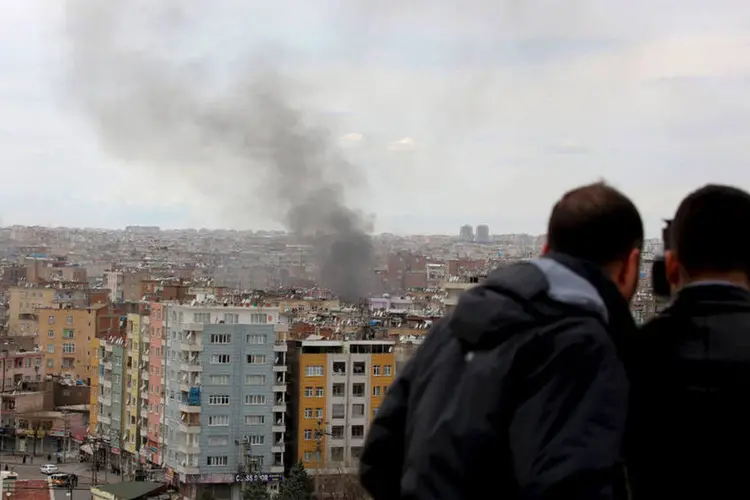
[296, 484]
[256, 491]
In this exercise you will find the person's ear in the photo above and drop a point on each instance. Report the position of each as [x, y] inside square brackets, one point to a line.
[672, 268]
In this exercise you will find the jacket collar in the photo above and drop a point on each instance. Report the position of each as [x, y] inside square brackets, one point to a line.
[621, 322]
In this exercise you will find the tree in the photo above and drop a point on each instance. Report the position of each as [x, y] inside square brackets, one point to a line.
[256, 491]
[296, 484]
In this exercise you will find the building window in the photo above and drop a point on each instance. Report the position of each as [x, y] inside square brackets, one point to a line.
[358, 431]
[218, 420]
[217, 461]
[221, 338]
[69, 348]
[358, 410]
[387, 370]
[358, 390]
[218, 380]
[376, 390]
[313, 456]
[51, 320]
[338, 410]
[51, 348]
[339, 390]
[69, 320]
[231, 318]
[67, 333]
[375, 412]
[318, 413]
[255, 339]
[218, 399]
[255, 399]
[308, 434]
[255, 419]
[218, 441]
[50, 333]
[51, 362]
[318, 392]
[337, 454]
[255, 380]
[308, 412]
[204, 318]
[256, 359]
[339, 368]
[337, 432]
[314, 370]
[358, 367]
[376, 370]
[256, 439]
[258, 319]
[308, 392]
[220, 359]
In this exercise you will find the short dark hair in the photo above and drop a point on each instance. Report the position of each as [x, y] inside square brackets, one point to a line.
[596, 223]
[708, 232]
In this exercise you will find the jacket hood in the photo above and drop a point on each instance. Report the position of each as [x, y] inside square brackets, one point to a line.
[509, 301]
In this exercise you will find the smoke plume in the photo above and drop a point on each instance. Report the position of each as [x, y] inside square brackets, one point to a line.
[245, 141]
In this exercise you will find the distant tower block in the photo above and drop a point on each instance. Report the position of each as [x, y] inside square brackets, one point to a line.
[483, 234]
[466, 233]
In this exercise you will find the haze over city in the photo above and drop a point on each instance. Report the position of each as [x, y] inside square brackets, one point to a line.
[482, 113]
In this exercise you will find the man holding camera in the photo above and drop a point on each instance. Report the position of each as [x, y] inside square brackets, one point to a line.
[689, 369]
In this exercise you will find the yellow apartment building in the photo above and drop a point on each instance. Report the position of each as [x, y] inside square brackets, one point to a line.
[23, 306]
[340, 385]
[65, 336]
[132, 406]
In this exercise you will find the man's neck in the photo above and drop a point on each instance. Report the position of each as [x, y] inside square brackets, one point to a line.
[736, 278]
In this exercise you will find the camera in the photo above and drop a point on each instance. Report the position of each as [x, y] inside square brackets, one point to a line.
[659, 281]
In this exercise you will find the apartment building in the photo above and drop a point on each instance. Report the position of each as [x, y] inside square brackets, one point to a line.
[154, 403]
[339, 387]
[66, 339]
[111, 411]
[20, 368]
[22, 308]
[453, 288]
[225, 397]
[136, 375]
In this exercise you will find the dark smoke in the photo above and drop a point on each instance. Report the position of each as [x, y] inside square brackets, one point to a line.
[243, 143]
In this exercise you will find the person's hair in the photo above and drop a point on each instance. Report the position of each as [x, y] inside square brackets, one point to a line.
[708, 232]
[596, 223]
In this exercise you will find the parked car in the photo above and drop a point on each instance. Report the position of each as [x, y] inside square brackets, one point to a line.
[48, 469]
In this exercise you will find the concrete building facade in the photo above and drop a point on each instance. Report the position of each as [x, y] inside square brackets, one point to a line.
[225, 396]
[340, 386]
[155, 354]
[23, 303]
[66, 337]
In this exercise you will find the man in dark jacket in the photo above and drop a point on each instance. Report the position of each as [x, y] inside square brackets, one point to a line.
[689, 429]
[520, 394]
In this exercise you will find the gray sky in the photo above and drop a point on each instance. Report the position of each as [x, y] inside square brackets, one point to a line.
[473, 112]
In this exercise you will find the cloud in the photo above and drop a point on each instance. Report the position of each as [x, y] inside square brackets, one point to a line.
[568, 148]
[351, 140]
[404, 144]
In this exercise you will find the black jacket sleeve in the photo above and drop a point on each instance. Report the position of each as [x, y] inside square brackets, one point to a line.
[567, 428]
[381, 462]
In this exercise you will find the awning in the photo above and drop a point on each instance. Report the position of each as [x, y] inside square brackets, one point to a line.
[86, 448]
